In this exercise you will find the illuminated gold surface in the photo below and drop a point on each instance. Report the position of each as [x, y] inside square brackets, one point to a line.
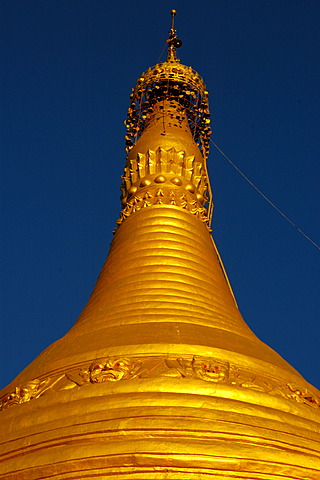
[160, 377]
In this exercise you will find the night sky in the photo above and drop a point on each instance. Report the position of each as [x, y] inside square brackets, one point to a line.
[67, 69]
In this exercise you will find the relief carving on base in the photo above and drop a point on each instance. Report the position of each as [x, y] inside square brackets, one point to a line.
[115, 369]
[106, 370]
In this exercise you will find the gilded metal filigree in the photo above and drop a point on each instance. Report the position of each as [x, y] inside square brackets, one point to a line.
[170, 80]
[115, 369]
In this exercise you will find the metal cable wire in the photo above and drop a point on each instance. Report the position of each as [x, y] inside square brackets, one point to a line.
[265, 197]
[165, 44]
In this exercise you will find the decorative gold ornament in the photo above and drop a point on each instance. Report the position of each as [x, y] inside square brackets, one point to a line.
[175, 190]
[170, 81]
[185, 168]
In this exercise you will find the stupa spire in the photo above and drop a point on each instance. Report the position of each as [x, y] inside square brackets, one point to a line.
[160, 377]
[169, 103]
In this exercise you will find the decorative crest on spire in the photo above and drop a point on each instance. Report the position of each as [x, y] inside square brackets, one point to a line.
[170, 80]
[173, 41]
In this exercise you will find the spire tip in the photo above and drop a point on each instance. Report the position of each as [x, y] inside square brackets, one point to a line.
[173, 41]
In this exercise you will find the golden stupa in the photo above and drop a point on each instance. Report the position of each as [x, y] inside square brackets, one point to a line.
[160, 377]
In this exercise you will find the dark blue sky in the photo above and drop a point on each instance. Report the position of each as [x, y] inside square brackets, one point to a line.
[66, 75]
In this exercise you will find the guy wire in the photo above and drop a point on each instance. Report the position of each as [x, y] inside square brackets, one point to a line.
[265, 197]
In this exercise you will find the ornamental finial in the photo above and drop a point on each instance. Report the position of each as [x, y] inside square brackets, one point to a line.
[173, 41]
